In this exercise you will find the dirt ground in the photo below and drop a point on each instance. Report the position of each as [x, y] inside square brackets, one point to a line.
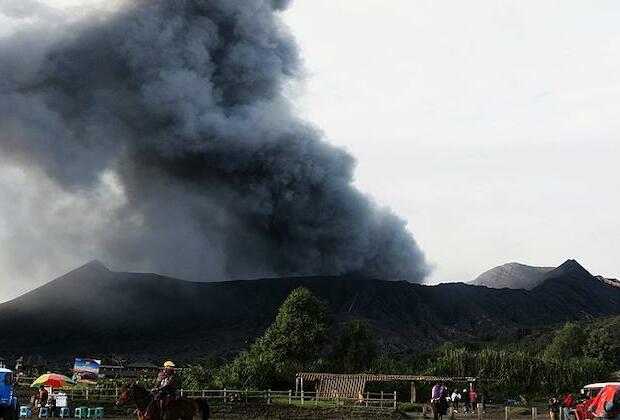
[263, 412]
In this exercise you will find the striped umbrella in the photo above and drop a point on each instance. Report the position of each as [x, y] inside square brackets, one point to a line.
[53, 380]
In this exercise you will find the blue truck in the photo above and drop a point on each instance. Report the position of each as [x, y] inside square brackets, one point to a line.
[8, 401]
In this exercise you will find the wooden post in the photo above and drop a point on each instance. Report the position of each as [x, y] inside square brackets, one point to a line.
[367, 397]
[479, 411]
[87, 393]
[296, 387]
[381, 403]
[301, 384]
[534, 413]
[395, 402]
[246, 397]
[506, 413]
[414, 393]
[268, 397]
[290, 396]
[224, 394]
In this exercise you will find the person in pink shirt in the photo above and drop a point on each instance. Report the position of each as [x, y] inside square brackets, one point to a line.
[473, 400]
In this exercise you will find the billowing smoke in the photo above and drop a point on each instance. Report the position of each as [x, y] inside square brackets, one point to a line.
[160, 138]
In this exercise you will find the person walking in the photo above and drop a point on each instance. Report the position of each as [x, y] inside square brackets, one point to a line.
[554, 407]
[455, 397]
[473, 400]
[567, 405]
[436, 396]
[465, 400]
[443, 402]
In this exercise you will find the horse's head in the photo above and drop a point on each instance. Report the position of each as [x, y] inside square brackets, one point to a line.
[125, 395]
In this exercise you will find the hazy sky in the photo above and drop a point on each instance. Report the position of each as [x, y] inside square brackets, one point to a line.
[490, 126]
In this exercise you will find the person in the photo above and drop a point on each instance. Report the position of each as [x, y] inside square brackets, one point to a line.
[360, 398]
[465, 400]
[443, 402]
[473, 400]
[42, 396]
[51, 405]
[436, 395]
[567, 404]
[484, 399]
[554, 408]
[456, 397]
[167, 385]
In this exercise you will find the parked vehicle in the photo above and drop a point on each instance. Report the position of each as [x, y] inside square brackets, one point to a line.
[584, 410]
[8, 401]
[606, 405]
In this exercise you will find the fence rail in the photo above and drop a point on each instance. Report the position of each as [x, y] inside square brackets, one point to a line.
[374, 400]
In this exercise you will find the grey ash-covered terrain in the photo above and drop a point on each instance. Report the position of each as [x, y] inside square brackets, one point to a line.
[513, 276]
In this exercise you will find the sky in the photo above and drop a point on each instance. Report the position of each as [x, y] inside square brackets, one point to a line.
[491, 127]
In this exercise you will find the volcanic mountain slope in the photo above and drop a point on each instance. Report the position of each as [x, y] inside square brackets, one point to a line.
[513, 276]
[611, 282]
[94, 311]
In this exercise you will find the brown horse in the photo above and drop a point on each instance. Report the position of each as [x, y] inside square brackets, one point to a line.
[149, 409]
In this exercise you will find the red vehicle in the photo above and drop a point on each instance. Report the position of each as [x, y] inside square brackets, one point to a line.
[587, 408]
[606, 405]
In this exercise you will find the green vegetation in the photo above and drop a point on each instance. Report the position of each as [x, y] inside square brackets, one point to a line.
[289, 345]
[567, 343]
[536, 362]
[603, 342]
[357, 350]
[515, 372]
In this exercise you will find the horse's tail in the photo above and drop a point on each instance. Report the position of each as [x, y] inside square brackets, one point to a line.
[204, 407]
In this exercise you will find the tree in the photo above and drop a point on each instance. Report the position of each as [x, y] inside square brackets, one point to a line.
[196, 377]
[567, 343]
[290, 343]
[357, 350]
[603, 344]
[299, 329]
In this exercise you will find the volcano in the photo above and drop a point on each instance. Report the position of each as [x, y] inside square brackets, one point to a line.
[95, 311]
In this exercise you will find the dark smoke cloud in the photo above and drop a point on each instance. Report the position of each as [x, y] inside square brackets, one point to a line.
[167, 133]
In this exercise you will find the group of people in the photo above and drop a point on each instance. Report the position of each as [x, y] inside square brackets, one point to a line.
[560, 410]
[53, 402]
[442, 400]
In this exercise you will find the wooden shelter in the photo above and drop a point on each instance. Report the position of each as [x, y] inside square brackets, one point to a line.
[345, 385]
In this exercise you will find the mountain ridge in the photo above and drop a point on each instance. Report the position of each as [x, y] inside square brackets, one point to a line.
[97, 311]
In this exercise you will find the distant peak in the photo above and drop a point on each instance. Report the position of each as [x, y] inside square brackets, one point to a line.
[569, 268]
[93, 266]
[571, 265]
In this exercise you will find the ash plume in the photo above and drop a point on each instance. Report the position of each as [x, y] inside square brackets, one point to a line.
[159, 138]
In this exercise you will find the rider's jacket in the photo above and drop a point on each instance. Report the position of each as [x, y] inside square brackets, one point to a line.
[167, 381]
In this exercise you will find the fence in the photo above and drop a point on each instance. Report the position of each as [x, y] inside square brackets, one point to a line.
[372, 400]
[367, 400]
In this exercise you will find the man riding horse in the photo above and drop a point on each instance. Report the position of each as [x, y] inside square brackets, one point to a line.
[167, 385]
[146, 409]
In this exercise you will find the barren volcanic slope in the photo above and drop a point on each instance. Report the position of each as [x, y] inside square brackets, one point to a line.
[513, 276]
[93, 311]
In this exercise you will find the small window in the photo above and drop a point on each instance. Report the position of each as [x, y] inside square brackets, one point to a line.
[8, 379]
